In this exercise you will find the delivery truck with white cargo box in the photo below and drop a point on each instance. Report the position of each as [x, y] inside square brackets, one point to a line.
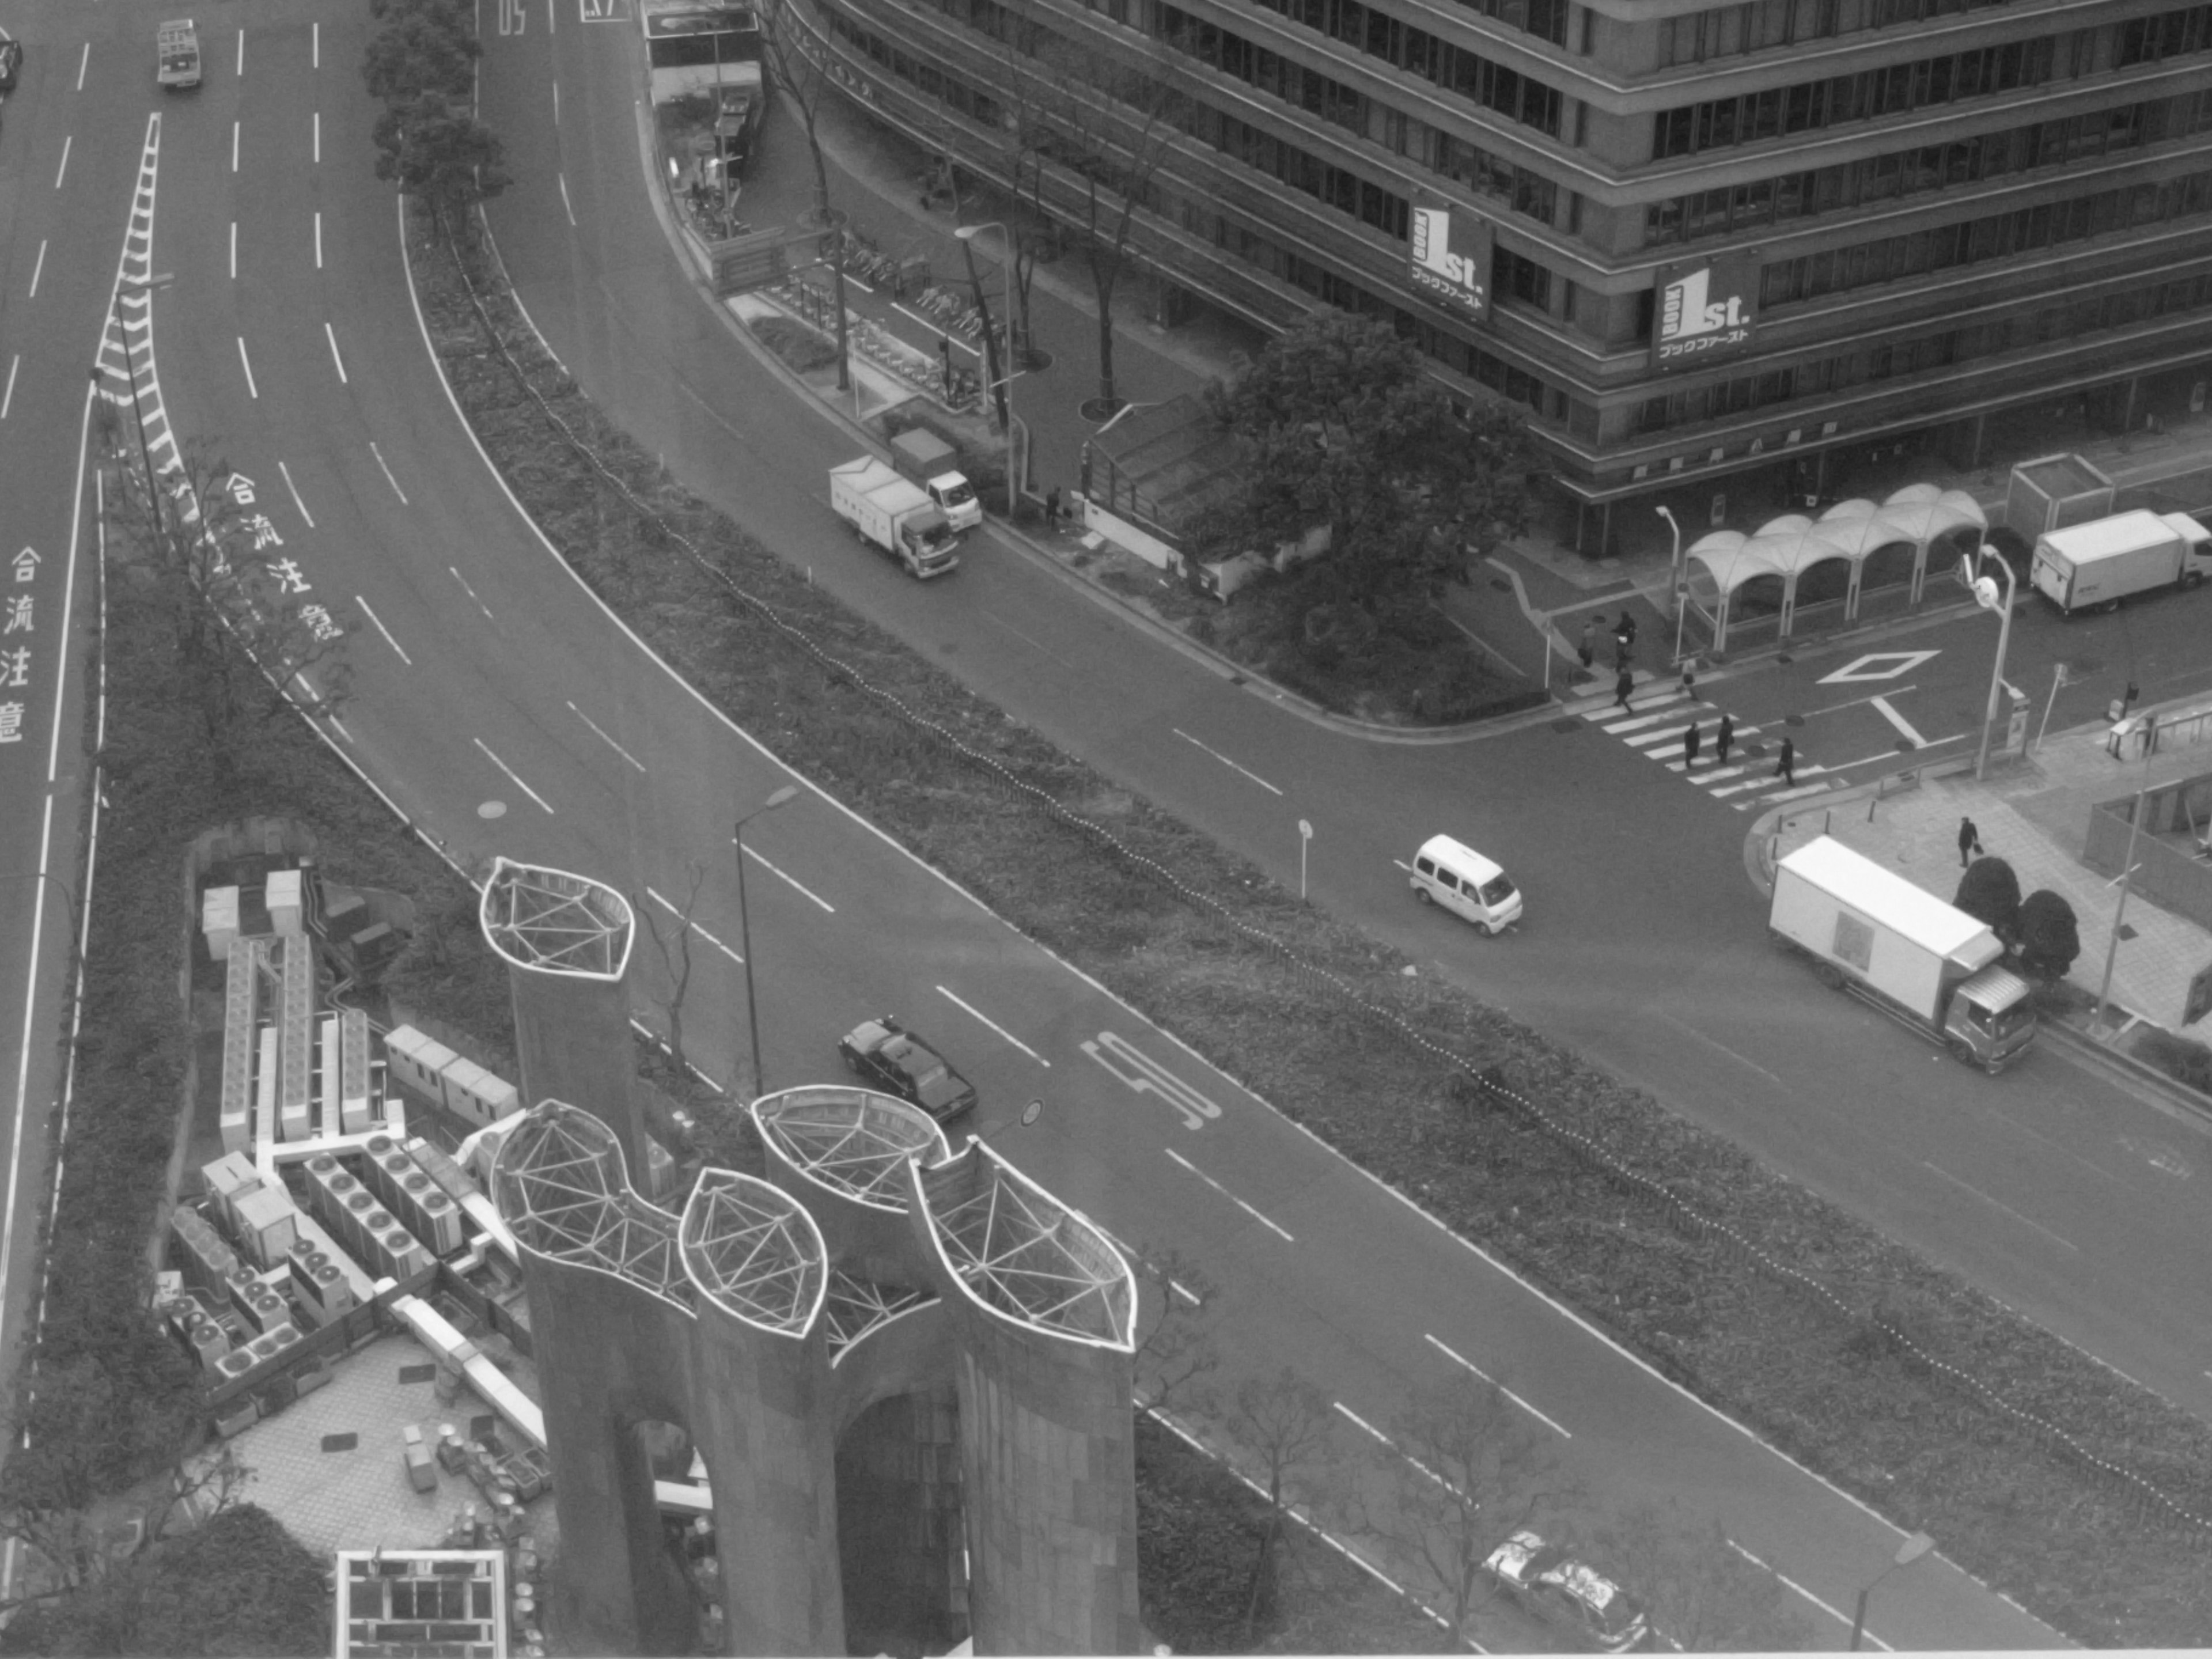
[927, 459]
[894, 514]
[177, 54]
[2087, 566]
[1924, 961]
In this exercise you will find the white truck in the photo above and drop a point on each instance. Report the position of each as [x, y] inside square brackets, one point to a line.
[894, 514]
[926, 458]
[2087, 566]
[1922, 961]
[177, 54]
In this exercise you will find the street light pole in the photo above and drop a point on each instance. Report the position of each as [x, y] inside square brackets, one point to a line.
[745, 931]
[1002, 386]
[1305, 840]
[1675, 576]
[130, 367]
[1907, 1552]
[2127, 880]
[1985, 595]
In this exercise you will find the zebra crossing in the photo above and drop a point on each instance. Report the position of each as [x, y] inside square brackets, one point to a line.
[1654, 724]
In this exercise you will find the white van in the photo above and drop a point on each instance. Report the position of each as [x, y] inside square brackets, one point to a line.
[1465, 883]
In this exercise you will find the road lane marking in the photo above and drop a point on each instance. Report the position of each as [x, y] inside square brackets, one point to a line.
[694, 927]
[1785, 1580]
[83, 62]
[549, 17]
[394, 482]
[557, 103]
[38, 269]
[788, 880]
[1230, 1196]
[315, 45]
[382, 629]
[331, 334]
[604, 738]
[1872, 696]
[241, 54]
[971, 1009]
[1904, 726]
[1889, 755]
[318, 239]
[8, 399]
[1041, 649]
[247, 367]
[1464, 1361]
[234, 146]
[565, 208]
[1225, 760]
[1968, 1187]
[294, 488]
[233, 250]
[1715, 1043]
[1381, 1439]
[512, 778]
[1880, 665]
[472, 593]
[1134, 1069]
[318, 138]
[62, 172]
[1137, 1255]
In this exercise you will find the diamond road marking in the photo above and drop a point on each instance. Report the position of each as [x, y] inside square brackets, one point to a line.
[1880, 665]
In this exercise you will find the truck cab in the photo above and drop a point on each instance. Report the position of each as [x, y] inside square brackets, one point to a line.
[928, 544]
[177, 54]
[1990, 1020]
[956, 499]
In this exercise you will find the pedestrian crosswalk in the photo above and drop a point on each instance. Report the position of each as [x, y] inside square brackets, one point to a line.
[1654, 724]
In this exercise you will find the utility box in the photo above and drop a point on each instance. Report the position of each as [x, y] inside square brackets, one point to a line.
[2053, 491]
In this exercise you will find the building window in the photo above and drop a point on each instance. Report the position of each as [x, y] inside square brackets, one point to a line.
[2167, 34]
[1517, 96]
[1515, 276]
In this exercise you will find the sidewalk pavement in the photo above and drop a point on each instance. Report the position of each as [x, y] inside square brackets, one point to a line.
[2033, 813]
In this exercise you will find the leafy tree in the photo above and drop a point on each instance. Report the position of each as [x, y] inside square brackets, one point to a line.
[2049, 940]
[422, 47]
[429, 145]
[1465, 1470]
[1702, 1594]
[1288, 1427]
[1342, 426]
[803, 77]
[1989, 893]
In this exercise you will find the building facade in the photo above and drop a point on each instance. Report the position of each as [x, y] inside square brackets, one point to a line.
[1709, 248]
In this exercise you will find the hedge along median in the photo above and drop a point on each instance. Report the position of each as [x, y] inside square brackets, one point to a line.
[2038, 1468]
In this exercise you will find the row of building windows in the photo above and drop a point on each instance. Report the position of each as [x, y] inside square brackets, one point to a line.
[1722, 123]
[1733, 31]
[1263, 152]
[2168, 34]
[1975, 240]
[2015, 331]
[1377, 34]
[1917, 172]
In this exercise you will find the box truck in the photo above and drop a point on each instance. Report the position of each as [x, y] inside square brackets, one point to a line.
[2087, 566]
[177, 54]
[894, 514]
[927, 459]
[1921, 961]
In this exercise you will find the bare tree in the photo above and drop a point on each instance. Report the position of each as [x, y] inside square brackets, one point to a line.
[803, 76]
[675, 959]
[1466, 1468]
[1702, 1594]
[1287, 1425]
[1175, 1339]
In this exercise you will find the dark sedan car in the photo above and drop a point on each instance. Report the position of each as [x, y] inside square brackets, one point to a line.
[887, 1056]
[11, 64]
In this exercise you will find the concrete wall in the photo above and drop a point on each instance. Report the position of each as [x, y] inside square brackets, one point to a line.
[573, 1042]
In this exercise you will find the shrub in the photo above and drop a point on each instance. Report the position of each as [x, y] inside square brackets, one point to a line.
[2185, 1059]
[2049, 941]
[1989, 893]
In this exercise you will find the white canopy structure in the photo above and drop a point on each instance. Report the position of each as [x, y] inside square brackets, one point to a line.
[1916, 516]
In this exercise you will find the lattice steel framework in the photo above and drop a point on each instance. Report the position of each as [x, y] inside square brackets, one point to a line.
[1023, 1255]
[853, 1141]
[563, 1191]
[551, 922]
[856, 1306]
[753, 1250]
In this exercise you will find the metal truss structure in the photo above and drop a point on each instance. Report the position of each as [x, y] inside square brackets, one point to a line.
[755, 1251]
[1026, 1256]
[551, 922]
[853, 1141]
[856, 1307]
[563, 1191]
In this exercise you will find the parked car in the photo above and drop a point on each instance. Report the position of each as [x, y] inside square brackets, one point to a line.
[1572, 1597]
[11, 64]
[1465, 882]
[885, 1055]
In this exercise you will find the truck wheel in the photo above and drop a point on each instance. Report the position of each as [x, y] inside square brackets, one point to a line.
[2191, 579]
[1422, 894]
[1829, 975]
[1962, 1050]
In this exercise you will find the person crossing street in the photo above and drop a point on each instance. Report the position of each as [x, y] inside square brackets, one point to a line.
[1690, 742]
[1722, 738]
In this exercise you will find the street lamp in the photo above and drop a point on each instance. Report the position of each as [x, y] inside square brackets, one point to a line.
[1002, 387]
[1674, 574]
[1907, 1552]
[134, 285]
[1985, 595]
[745, 924]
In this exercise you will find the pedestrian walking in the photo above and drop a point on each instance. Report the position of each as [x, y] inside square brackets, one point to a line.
[1786, 768]
[1588, 649]
[1689, 678]
[945, 350]
[1722, 738]
[1969, 842]
[1052, 507]
[1621, 687]
[1690, 742]
[1626, 629]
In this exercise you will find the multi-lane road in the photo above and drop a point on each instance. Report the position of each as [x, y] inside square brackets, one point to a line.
[507, 713]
